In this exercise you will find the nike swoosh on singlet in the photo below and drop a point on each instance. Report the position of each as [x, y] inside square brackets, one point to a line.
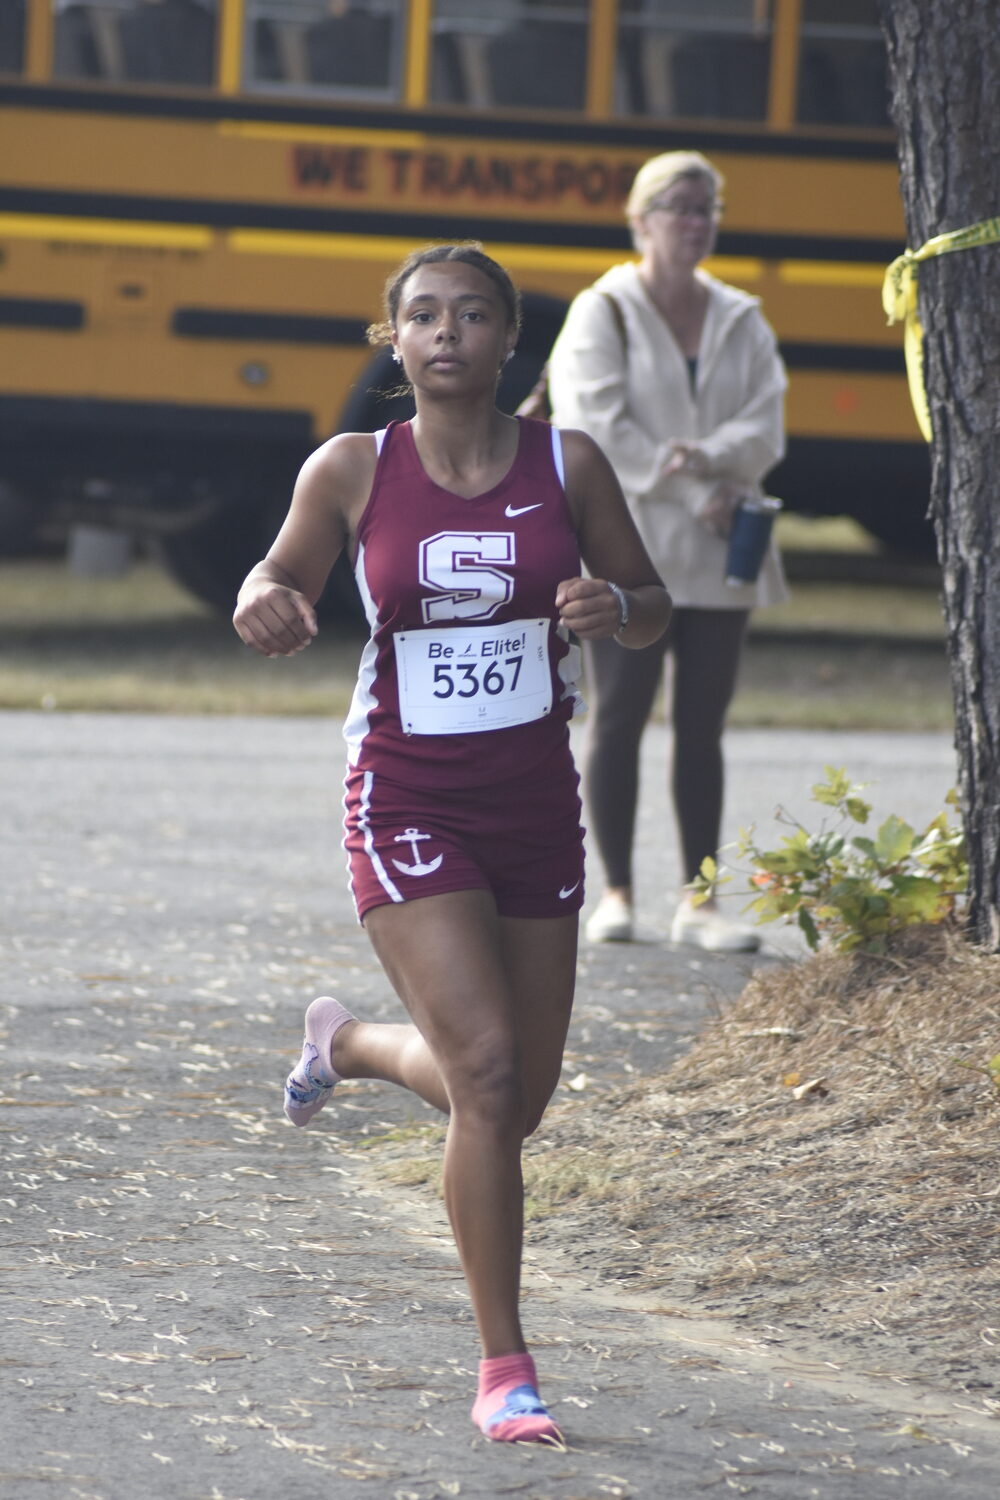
[565, 894]
[519, 510]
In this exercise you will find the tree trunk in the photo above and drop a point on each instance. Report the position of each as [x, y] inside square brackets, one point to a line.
[944, 58]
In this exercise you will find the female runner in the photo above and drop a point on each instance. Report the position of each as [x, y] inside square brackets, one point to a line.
[463, 835]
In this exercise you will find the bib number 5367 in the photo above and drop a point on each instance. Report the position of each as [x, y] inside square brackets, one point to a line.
[458, 680]
[468, 678]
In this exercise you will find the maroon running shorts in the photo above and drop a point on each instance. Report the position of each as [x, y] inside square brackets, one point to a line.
[521, 840]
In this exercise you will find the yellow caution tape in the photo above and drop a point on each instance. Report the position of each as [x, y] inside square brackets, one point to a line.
[899, 299]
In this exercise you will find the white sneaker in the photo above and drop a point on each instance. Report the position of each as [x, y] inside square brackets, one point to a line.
[611, 920]
[703, 927]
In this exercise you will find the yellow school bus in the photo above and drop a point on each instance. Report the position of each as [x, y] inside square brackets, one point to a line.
[200, 201]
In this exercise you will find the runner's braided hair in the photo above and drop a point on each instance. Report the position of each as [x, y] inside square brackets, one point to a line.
[471, 253]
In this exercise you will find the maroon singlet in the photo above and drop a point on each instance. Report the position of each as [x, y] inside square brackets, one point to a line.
[456, 590]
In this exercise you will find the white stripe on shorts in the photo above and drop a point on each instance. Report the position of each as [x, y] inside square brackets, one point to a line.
[384, 878]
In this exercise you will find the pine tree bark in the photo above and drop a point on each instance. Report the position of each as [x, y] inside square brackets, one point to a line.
[944, 58]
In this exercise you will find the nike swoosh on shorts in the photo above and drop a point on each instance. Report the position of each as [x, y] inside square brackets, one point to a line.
[519, 510]
[565, 894]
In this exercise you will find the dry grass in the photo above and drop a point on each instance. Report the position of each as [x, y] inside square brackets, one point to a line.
[863, 1210]
[139, 644]
[803, 682]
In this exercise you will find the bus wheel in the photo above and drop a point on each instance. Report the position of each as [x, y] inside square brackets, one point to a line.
[19, 520]
[905, 536]
[377, 397]
[212, 558]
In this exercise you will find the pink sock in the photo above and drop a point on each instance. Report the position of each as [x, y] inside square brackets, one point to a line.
[508, 1408]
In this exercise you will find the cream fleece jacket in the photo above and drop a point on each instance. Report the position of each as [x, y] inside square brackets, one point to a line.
[634, 402]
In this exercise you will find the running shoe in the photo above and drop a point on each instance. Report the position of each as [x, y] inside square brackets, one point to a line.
[313, 1079]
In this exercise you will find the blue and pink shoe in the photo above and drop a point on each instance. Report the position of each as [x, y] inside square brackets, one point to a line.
[314, 1078]
[508, 1408]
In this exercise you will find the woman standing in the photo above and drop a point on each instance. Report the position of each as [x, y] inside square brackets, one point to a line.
[678, 378]
[463, 833]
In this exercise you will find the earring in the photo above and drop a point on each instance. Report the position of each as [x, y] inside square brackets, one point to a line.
[397, 356]
[508, 356]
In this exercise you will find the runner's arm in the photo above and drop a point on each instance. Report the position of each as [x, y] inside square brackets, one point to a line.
[275, 611]
[612, 550]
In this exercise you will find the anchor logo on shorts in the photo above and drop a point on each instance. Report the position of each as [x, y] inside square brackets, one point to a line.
[413, 836]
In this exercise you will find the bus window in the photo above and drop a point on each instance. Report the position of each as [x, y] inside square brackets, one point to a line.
[697, 58]
[12, 36]
[510, 54]
[842, 70]
[329, 45]
[136, 41]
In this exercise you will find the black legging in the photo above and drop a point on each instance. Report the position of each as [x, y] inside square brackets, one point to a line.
[704, 647]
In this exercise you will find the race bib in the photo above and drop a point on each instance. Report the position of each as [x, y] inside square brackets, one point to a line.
[464, 678]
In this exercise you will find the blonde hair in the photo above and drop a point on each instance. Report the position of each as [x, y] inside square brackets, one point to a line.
[661, 172]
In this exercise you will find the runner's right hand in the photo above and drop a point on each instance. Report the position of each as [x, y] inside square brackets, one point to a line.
[274, 619]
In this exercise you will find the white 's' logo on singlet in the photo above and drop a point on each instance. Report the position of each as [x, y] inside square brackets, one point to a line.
[459, 567]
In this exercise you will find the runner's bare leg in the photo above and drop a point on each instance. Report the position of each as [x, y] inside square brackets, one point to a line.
[492, 997]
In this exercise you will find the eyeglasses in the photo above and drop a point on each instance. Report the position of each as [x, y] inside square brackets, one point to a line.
[706, 211]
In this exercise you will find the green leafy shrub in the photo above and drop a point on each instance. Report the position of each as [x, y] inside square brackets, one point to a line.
[843, 888]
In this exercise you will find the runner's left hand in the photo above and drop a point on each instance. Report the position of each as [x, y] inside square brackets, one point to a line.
[588, 608]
